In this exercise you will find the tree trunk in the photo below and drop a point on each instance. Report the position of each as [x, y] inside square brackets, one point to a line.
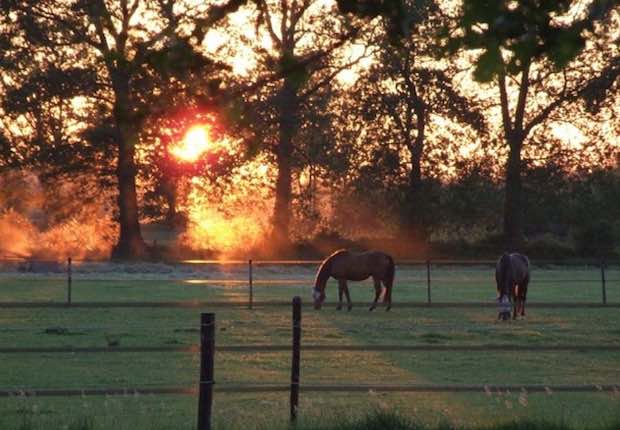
[130, 245]
[416, 204]
[288, 106]
[168, 189]
[515, 136]
[513, 208]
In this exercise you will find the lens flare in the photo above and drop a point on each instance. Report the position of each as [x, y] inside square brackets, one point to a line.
[194, 144]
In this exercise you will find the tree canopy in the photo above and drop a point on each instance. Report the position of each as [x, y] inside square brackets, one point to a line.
[429, 121]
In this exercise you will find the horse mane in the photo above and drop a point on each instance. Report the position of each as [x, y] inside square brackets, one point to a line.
[324, 272]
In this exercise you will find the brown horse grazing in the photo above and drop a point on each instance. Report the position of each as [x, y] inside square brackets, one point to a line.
[512, 274]
[346, 266]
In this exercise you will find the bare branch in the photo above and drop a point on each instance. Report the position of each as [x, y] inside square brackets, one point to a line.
[265, 17]
[503, 95]
[524, 87]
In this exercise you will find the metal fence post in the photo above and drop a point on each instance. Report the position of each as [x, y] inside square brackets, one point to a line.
[428, 281]
[296, 357]
[604, 289]
[207, 350]
[251, 283]
[69, 280]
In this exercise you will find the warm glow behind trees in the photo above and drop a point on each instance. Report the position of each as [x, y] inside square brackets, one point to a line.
[194, 144]
[285, 83]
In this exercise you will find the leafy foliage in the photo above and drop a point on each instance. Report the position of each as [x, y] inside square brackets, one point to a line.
[528, 31]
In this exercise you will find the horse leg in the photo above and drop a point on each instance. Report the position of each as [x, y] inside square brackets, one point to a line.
[515, 301]
[346, 292]
[516, 308]
[340, 291]
[518, 302]
[387, 298]
[523, 296]
[377, 293]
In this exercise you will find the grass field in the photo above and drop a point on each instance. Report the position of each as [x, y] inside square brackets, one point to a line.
[268, 325]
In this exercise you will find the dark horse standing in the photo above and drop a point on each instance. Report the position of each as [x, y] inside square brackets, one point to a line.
[346, 266]
[512, 274]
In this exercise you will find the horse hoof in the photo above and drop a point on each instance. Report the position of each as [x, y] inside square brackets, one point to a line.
[338, 308]
[349, 308]
[372, 308]
[388, 308]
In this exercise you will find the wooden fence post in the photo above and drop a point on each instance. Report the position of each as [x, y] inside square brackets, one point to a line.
[251, 283]
[207, 350]
[604, 289]
[428, 281]
[296, 357]
[69, 280]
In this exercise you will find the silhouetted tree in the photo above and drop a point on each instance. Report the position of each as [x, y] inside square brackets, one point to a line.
[132, 62]
[305, 37]
[533, 57]
[398, 95]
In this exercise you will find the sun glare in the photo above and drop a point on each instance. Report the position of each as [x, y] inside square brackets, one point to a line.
[235, 220]
[194, 144]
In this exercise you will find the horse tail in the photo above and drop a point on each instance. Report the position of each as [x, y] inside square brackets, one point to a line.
[389, 278]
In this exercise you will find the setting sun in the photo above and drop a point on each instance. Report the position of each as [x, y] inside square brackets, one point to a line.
[194, 144]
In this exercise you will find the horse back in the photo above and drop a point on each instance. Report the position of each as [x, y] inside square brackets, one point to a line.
[521, 267]
[512, 269]
[359, 266]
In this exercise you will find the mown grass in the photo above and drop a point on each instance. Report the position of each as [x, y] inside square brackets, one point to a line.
[150, 327]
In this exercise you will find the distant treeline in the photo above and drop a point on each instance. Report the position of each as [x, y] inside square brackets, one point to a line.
[457, 124]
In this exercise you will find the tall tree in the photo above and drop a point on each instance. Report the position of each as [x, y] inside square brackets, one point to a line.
[538, 55]
[131, 59]
[401, 92]
[305, 37]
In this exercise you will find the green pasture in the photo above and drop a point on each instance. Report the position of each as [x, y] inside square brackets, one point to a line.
[271, 325]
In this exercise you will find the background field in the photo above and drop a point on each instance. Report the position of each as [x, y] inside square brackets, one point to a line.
[269, 325]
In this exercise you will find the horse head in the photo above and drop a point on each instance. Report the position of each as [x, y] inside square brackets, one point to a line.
[504, 306]
[322, 275]
[318, 295]
[504, 278]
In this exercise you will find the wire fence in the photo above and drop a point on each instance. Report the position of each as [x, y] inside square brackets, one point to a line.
[206, 384]
[249, 284]
[67, 276]
[316, 347]
[280, 304]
